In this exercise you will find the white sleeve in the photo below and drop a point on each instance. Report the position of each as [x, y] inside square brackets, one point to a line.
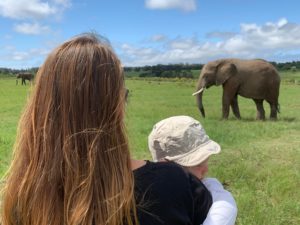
[223, 210]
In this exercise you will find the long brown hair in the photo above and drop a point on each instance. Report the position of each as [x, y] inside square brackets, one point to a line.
[71, 161]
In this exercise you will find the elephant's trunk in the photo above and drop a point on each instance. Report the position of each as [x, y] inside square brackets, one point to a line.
[199, 101]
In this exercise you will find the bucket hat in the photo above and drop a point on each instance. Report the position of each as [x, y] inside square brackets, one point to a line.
[181, 139]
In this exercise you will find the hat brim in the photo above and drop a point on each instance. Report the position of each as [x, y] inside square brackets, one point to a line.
[197, 156]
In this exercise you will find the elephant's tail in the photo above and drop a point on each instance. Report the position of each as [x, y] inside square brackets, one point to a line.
[278, 107]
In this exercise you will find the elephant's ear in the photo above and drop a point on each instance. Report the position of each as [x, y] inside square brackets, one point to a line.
[225, 70]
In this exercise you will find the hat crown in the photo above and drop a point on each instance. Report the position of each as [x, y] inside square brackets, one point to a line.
[176, 136]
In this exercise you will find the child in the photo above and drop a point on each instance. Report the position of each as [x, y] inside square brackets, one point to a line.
[183, 140]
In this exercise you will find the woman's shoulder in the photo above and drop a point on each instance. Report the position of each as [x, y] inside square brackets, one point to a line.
[162, 175]
[174, 189]
[161, 169]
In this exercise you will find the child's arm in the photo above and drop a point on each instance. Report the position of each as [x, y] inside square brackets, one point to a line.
[223, 210]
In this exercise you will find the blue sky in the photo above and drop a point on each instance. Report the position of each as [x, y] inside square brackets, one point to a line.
[149, 32]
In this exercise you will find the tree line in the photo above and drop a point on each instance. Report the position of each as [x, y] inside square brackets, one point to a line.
[13, 72]
[294, 65]
[185, 70]
[161, 70]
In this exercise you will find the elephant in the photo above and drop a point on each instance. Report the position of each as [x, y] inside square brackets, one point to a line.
[256, 79]
[24, 76]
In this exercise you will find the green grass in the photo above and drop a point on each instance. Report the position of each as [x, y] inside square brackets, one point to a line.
[12, 100]
[260, 161]
[290, 77]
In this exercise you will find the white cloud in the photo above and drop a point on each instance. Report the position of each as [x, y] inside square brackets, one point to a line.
[158, 38]
[31, 9]
[220, 35]
[20, 56]
[185, 5]
[272, 40]
[137, 52]
[183, 43]
[31, 28]
[280, 35]
[282, 22]
[23, 59]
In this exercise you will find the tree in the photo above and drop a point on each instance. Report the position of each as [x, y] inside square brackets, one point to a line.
[294, 69]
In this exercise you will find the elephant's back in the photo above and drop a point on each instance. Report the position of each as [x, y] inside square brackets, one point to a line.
[257, 68]
[260, 78]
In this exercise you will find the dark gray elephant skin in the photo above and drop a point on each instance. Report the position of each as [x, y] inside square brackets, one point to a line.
[256, 79]
[24, 77]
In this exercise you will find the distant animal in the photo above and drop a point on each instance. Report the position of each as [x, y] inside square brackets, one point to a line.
[256, 79]
[126, 94]
[24, 77]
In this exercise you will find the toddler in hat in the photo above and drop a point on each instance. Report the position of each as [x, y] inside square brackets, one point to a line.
[183, 140]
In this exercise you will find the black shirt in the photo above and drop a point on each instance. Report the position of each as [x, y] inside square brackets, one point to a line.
[166, 194]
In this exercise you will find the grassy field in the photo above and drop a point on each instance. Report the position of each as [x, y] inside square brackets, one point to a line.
[260, 161]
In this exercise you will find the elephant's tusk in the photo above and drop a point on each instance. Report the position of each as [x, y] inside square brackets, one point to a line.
[197, 92]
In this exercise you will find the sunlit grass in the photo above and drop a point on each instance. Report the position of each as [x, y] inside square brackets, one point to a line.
[260, 161]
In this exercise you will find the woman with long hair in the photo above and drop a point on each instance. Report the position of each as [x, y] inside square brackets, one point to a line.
[71, 162]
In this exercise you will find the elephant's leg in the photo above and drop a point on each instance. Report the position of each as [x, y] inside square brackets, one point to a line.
[226, 101]
[235, 107]
[273, 111]
[229, 93]
[225, 107]
[260, 109]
